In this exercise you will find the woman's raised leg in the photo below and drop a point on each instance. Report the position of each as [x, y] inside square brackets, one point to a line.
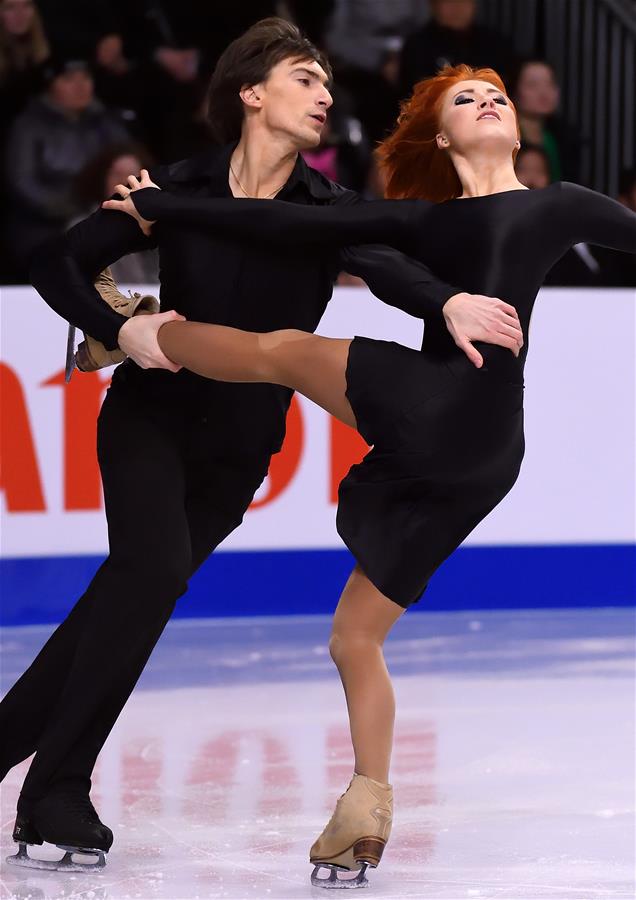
[313, 365]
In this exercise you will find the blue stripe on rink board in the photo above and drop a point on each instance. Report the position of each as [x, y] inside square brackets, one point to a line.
[297, 582]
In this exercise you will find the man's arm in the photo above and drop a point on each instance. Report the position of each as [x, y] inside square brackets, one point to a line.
[63, 272]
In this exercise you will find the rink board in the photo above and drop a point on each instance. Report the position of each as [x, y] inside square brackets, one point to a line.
[565, 535]
[297, 582]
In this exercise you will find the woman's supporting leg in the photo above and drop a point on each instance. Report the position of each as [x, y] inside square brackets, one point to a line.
[313, 365]
[362, 620]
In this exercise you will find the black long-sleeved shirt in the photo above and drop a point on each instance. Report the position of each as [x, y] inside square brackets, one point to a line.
[216, 278]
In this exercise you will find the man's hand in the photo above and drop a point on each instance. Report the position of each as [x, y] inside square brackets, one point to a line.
[126, 205]
[473, 317]
[138, 339]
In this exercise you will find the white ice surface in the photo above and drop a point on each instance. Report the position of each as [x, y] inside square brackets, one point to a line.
[513, 764]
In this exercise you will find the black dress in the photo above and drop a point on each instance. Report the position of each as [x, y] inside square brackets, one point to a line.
[447, 437]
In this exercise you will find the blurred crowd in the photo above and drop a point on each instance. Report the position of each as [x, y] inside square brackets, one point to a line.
[92, 91]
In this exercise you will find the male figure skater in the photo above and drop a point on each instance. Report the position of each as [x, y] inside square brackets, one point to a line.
[180, 456]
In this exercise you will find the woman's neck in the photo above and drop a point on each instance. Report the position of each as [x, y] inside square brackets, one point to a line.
[260, 168]
[484, 174]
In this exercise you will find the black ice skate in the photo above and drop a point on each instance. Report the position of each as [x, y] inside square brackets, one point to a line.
[68, 820]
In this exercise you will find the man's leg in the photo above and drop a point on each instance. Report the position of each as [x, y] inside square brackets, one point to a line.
[218, 492]
[133, 593]
[25, 709]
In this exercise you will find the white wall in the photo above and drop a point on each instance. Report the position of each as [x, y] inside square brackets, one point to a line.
[577, 484]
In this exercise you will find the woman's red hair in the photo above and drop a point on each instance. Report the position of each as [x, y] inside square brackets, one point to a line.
[412, 164]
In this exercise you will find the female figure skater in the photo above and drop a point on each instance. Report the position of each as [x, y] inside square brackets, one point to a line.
[447, 437]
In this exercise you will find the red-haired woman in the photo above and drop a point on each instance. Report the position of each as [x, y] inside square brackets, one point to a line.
[447, 437]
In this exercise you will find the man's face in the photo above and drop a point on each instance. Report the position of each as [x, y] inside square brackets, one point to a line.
[292, 101]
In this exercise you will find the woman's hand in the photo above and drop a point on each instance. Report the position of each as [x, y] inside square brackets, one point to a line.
[126, 205]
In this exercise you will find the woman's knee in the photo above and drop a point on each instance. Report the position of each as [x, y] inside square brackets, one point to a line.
[345, 646]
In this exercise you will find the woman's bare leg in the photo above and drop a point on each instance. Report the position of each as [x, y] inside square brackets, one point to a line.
[362, 620]
[315, 366]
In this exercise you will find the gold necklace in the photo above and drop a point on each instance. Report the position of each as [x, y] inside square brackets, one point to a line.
[249, 195]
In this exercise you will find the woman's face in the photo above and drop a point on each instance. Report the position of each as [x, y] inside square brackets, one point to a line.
[16, 16]
[119, 170]
[537, 90]
[476, 113]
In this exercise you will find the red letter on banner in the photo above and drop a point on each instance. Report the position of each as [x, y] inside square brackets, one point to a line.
[284, 464]
[347, 448]
[82, 402]
[20, 475]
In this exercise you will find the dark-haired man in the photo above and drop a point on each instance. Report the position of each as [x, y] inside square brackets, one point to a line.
[181, 457]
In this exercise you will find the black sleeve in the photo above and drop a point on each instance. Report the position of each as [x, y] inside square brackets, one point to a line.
[593, 218]
[394, 277]
[398, 280]
[63, 271]
[275, 221]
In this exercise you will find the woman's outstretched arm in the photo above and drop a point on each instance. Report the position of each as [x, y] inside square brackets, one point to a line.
[378, 221]
[593, 218]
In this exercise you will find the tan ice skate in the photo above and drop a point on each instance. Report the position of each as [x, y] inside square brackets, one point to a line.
[356, 834]
[91, 354]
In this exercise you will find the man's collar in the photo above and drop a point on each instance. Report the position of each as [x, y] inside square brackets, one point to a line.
[213, 166]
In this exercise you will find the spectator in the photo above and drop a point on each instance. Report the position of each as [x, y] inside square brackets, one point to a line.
[362, 33]
[96, 31]
[96, 182]
[117, 79]
[364, 40]
[176, 43]
[50, 142]
[452, 36]
[532, 167]
[534, 88]
[23, 50]
[174, 73]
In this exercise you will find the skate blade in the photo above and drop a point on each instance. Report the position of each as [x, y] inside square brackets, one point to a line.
[334, 882]
[70, 354]
[66, 864]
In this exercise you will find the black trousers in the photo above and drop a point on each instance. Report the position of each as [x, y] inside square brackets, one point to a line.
[172, 494]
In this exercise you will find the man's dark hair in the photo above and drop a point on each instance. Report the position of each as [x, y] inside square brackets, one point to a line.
[249, 60]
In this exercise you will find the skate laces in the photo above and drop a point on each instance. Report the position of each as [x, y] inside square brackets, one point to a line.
[336, 810]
